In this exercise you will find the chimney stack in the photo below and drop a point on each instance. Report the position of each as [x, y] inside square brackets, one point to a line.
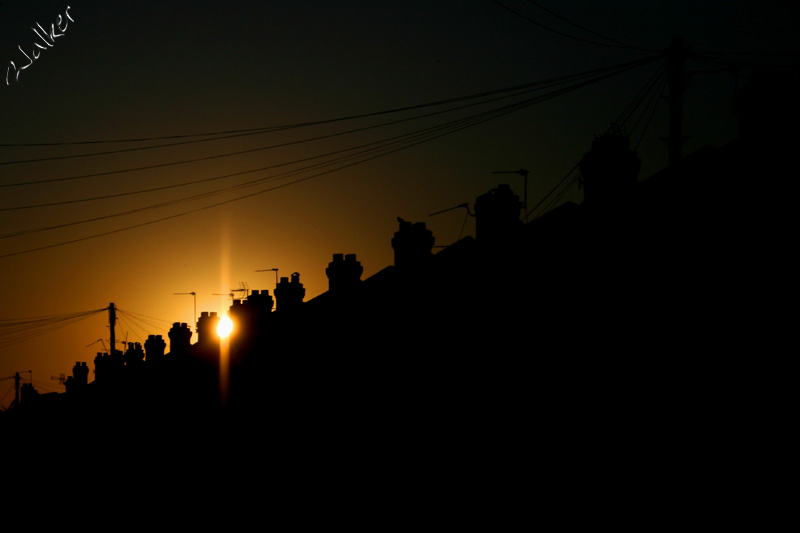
[134, 355]
[289, 294]
[497, 214]
[154, 348]
[412, 245]
[207, 327]
[609, 169]
[80, 372]
[179, 338]
[344, 274]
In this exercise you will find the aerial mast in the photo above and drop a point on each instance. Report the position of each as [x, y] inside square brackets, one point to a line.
[194, 296]
[271, 270]
[229, 295]
[112, 320]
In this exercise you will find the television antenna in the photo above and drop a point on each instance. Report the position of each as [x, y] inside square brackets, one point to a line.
[230, 294]
[194, 295]
[243, 288]
[271, 270]
[101, 342]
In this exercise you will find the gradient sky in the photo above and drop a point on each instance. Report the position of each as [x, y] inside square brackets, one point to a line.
[147, 69]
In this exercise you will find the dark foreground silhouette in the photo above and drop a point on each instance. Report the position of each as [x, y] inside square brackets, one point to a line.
[596, 338]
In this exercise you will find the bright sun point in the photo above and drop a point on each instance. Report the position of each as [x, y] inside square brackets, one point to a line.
[225, 327]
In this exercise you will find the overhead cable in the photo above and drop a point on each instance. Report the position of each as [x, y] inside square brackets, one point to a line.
[270, 167]
[17, 330]
[268, 129]
[521, 89]
[563, 34]
[587, 30]
[405, 140]
[417, 138]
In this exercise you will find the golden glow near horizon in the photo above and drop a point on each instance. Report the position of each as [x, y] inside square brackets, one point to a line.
[225, 327]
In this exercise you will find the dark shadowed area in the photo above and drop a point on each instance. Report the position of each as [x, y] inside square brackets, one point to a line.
[446, 233]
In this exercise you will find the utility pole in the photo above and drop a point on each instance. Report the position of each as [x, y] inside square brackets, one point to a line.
[676, 81]
[16, 377]
[112, 320]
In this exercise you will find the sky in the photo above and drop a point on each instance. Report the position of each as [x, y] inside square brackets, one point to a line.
[174, 71]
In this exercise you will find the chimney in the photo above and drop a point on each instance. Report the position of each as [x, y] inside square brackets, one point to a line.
[101, 366]
[154, 348]
[179, 338]
[289, 294]
[80, 373]
[609, 169]
[251, 317]
[344, 273]
[497, 214]
[78, 381]
[412, 245]
[258, 304]
[107, 367]
[207, 327]
[250, 313]
[134, 355]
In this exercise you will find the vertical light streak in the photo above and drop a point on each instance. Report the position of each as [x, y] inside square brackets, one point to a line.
[224, 342]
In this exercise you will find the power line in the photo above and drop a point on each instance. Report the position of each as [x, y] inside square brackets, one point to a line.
[203, 207]
[393, 140]
[563, 34]
[652, 104]
[621, 44]
[556, 199]
[194, 160]
[44, 386]
[17, 330]
[646, 89]
[654, 87]
[253, 131]
[762, 53]
[141, 323]
[517, 91]
[294, 125]
[425, 134]
[230, 133]
[136, 149]
[128, 322]
[146, 319]
[742, 64]
[118, 230]
[214, 178]
[6, 395]
[546, 196]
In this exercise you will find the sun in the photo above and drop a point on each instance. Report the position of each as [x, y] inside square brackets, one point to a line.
[225, 327]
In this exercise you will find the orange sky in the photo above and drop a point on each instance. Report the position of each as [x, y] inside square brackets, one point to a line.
[152, 69]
